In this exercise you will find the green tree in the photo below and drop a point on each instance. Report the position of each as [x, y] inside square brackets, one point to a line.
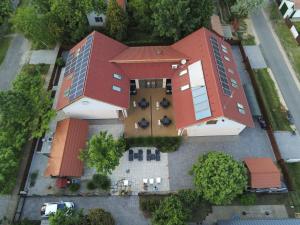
[140, 13]
[242, 8]
[99, 217]
[34, 26]
[116, 21]
[219, 178]
[103, 152]
[5, 9]
[67, 217]
[174, 19]
[170, 212]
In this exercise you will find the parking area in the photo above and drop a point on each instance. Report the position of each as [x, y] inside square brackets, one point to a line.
[137, 172]
[252, 142]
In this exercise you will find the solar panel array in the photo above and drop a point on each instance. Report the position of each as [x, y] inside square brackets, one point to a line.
[77, 64]
[220, 66]
[201, 102]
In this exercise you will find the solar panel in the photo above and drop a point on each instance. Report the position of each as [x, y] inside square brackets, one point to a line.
[77, 65]
[220, 66]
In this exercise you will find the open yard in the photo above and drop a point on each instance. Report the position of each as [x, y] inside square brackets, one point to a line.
[275, 110]
[294, 170]
[286, 38]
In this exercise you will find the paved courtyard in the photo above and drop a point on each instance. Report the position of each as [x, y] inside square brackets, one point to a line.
[251, 142]
[125, 210]
[135, 171]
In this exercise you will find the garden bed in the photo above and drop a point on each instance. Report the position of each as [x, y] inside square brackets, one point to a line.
[164, 144]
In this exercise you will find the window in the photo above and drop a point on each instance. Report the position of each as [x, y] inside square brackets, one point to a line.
[234, 83]
[185, 87]
[116, 88]
[241, 108]
[230, 71]
[212, 122]
[183, 72]
[98, 19]
[66, 92]
[226, 58]
[224, 49]
[117, 76]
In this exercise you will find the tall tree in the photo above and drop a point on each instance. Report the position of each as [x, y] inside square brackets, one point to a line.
[116, 21]
[67, 217]
[5, 9]
[99, 217]
[141, 14]
[170, 211]
[219, 178]
[174, 19]
[103, 152]
[243, 7]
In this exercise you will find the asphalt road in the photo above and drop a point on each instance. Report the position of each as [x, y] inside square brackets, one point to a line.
[125, 210]
[14, 60]
[275, 60]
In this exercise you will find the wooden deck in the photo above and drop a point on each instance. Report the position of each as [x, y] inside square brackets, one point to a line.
[152, 113]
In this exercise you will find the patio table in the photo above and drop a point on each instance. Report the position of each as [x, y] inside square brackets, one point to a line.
[165, 103]
[166, 121]
[143, 103]
[143, 123]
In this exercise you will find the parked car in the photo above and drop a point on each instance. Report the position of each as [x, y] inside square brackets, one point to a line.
[52, 207]
[262, 122]
[290, 117]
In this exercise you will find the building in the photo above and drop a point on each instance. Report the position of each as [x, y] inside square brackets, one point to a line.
[263, 173]
[199, 70]
[290, 9]
[97, 19]
[259, 222]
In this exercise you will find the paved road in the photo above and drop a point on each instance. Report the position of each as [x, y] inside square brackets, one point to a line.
[125, 210]
[14, 60]
[275, 61]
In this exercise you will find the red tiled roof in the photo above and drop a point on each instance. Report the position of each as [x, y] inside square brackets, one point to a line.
[263, 173]
[69, 138]
[109, 56]
[122, 4]
[297, 4]
[154, 54]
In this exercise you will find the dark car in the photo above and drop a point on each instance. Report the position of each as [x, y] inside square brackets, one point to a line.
[290, 117]
[130, 155]
[262, 122]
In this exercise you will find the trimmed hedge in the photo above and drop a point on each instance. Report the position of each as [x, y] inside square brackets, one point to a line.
[164, 144]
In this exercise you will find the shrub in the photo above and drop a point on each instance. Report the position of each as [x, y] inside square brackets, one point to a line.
[91, 185]
[60, 62]
[189, 198]
[248, 199]
[74, 187]
[100, 217]
[149, 204]
[33, 177]
[101, 181]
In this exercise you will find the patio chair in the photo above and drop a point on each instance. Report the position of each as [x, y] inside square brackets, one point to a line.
[130, 155]
[157, 104]
[158, 180]
[126, 182]
[157, 155]
[145, 180]
[136, 126]
[159, 123]
[151, 181]
[148, 154]
[134, 104]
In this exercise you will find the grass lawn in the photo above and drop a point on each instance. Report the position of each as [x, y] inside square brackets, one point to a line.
[294, 170]
[4, 44]
[286, 38]
[275, 110]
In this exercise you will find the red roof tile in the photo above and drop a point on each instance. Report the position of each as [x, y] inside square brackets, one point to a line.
[69, 138]
[149, 54]
[263, 173]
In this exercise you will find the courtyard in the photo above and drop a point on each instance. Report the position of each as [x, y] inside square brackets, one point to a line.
[153, 113]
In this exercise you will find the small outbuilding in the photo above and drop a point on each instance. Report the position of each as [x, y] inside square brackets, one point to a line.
[263, 173]
[69, 138]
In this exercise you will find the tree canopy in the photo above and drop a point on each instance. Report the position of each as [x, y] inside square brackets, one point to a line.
[25, 112]
[100, 217]
[219, 178]
[175, 19]
[116, 21]
[170, 212]
[103, 152]
[243, 7]
[5, 9]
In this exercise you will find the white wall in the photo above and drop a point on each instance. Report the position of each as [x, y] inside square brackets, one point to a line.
[289, 5]
[224, 126]
[296, 16]
[87, 108]
[92, 22]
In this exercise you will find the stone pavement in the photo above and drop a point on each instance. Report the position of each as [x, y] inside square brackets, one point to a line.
[125, 210]
[288, 145]
[251, 142]
[256, 59]
[16, 56]
[43, 56]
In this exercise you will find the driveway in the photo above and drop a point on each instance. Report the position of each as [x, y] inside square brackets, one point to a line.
[15, 58]
[275, 60]
[251, 142]
[125, 210]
